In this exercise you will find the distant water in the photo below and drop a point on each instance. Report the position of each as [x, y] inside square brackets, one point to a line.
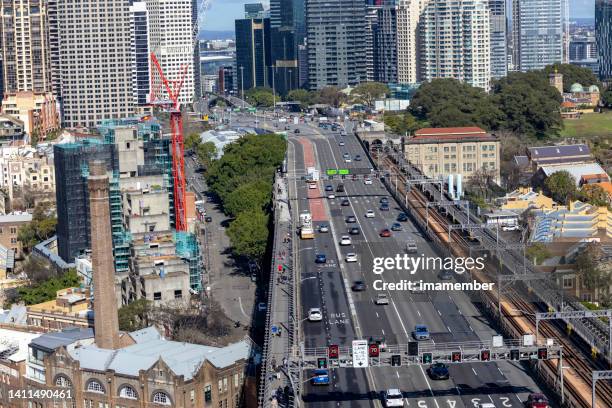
[216, 35]
[583, 21]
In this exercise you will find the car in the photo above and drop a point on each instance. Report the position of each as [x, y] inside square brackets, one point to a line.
[367, 181]
[351, 219]
[396, 226]
[411, 247]
[351, 257]
[340, 188]
[312, 186]
[341, 144]
[537, 400]
[296, 131]
[262, 307]
[511, 228]
[354, 231]
[438, 371]
[358, 286]
[345, 240]
[384, 200]
[329, 187]
[385, 233]
[331, 196]
[315, 314]
[208, 219]
[370, 214]
[393, 398]
[343, 133]
[358, 158]
[384, 207]
[486, 405]
[345, 203]
[347, 160]
[346, 155]
[382, 299]
[323, 228]
[402, 217]
[253, 277]
[320, 258]
[253, 267]
[420, 332]
[320, 377]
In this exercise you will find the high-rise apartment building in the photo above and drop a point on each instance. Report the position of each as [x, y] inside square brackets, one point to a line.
[287, 34]
[499, 39]
[336, 43]
[603, 34]
[371, 20]
[25, 46]
[253, 56]
[408, 19]
[91, 58]
[539, 33]
[141, 74]
[455, 41]
[385, 44]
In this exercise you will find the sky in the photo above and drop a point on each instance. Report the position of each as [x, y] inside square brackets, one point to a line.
[222, 13]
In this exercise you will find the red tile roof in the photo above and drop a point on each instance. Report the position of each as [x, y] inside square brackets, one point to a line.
[451, 133]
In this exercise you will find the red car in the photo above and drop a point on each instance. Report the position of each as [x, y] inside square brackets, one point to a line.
[537, 401]
[385, 233]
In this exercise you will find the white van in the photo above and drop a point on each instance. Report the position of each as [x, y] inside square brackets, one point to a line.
[411, 247]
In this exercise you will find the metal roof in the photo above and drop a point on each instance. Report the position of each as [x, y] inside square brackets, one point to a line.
[576, 170]
[544, 152]
[54, 340]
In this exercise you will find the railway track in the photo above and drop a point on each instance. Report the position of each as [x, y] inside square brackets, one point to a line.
[578, 365]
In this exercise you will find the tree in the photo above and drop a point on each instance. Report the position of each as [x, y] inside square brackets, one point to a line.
[562, 186]
[606, 97]
[529, 105]
[248, 234]
[206, 152]
[135, 315]
[330, 96]
[192, 141]
[260, 96]
[402, 123]
[302, 96]
[251, 196]
[537, 252]
[41, 227]
[588, 263]
[449, 102]
[572, 74]
[368, 92]
[47, 290]
[481, 180]
[594, 195]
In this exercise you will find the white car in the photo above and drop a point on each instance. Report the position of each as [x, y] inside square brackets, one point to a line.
[347, 160]
[351, 257]
[323, 228]
[312, 186]
[345, 240]
[331, 196]
[511, 228]
[382, 299]
[370, 214]
[367, 181]
[486, 405]
[315, 315]
[393, 398]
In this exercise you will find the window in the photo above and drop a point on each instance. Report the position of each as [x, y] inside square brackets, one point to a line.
[62, 381]
[157, 296]
[220, 386]
[224, 383]
[568, 282]
[208, 393]
[236, 383]
[178, 294]
[95, 386]
[161, 398]
[13, 230]
[128, 392]
[192, 395]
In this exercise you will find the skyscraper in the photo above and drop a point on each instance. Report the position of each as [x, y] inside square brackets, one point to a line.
[455, 41]
[408, 19]
[385, 44]
[25, 46]
[336, 42]
[286, 27]
[603, 34]
[253, 57]
[141, 73]
[538, 33]
[499, 43]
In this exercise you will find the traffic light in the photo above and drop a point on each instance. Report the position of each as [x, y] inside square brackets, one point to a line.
[373, 350]
[515, 354]
[333, 351]
[543, 353]
[456, 357]
[396, 360]
[321, 362]
[485, 355]
[413, 348]
[427, 358]
[343, 177]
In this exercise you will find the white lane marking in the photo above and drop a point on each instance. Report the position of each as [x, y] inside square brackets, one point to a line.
[429, 385]
[383, 331]
[475, 373]
[397, 374]
[419, 313]
[471, 328]
[377, 314]
[500, 371]
[449, 329]
[241, 309]
[439, 312]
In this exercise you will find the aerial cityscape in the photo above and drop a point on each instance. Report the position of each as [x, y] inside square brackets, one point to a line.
[306, 203]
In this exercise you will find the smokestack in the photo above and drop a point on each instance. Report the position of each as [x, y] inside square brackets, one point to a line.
[106, 321]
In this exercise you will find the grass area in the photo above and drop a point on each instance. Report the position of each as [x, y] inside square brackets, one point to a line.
[589, 125]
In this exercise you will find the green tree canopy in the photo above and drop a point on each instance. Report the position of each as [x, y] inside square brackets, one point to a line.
[47, 289]
[250, 196]
[562, 186]
[449, 102]
[192, 141]
[573, 74]
[302, 96]
[606, 97]
[367, 93]
[135, 315]
[41, 227]
[402, 123]
[594, 194]
[537, 252]
[207, 153]
[260, 96]
[330, 95]
[248, 234]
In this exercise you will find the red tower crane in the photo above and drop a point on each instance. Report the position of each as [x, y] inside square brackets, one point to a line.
[170, 103]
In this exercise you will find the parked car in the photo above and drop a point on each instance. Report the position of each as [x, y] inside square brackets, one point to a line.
[358, 286]
[438, 371]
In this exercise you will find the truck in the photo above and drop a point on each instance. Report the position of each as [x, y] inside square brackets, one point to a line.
[313, 174]
[306, 228]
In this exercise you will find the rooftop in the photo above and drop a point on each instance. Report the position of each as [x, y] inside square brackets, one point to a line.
[15, 218]
[578, 171]
[458, 134]
[551, 152]
[52, 341]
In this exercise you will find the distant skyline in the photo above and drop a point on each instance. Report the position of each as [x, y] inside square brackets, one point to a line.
[222, 13]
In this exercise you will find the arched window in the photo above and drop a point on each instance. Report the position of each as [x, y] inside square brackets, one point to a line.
[95, 386]
[63, 381]
[128, 392]
[161, 398]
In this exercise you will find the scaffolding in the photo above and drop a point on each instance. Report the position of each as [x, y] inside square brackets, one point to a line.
[187, 248]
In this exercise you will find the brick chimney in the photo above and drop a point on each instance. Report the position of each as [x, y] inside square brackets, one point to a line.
[106, 321]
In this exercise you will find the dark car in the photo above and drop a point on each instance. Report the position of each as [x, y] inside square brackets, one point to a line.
[358, 286]
[320, 258]
[345, 203]
[384, 200]
[537, 400]
[385, 233]
[384, 207]
[358, 158]
[438, 371]
[396, 226]
[402, 217]
[340, 188]
[354, 231]
[351, 219]
[208, 219]
[296, 131]
[329, 187]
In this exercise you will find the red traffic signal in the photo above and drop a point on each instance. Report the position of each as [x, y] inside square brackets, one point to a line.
[333, 351]
[456, 357]
[374, 350]
[485, 355]
[542, 354]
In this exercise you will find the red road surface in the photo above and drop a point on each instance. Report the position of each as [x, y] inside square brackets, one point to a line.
[315, 202]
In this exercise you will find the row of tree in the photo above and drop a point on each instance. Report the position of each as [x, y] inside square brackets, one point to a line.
[562, 187]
